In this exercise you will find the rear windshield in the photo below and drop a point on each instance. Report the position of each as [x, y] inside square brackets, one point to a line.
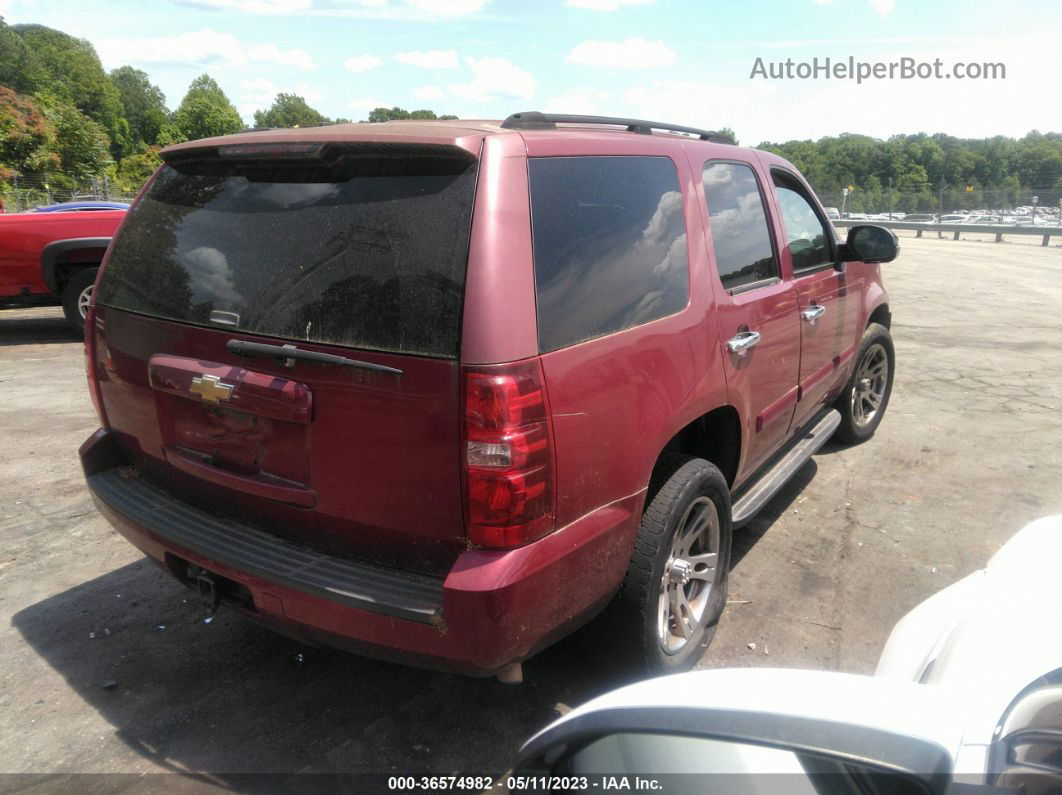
[364, 248]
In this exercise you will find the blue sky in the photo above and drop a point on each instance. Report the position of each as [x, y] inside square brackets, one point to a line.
[680, 61]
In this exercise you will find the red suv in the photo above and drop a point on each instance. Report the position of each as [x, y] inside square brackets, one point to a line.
[442, 391]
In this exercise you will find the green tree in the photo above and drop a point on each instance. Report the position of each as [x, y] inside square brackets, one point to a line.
[398, 114]
[134, 170]
[143, 105]
[60, 68]
[289, 110]
[205, 111]
[730, 132]
[81, 143]
[15, 71]
[27, 137]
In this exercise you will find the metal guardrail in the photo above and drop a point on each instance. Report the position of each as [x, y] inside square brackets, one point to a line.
[957, 229]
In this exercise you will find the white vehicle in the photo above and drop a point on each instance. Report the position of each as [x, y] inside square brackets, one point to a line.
[967, 697]
[953, 219]
[833, 213]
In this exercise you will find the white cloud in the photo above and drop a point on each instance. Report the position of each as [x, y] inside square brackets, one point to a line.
[431, 59]
[250, 6]
[362, 63]
[494, 78]
[429, 92]
[258, 94]
[781, 110]
[208, 47]
[366, 104]
[577, 100]
[405, 10]
[883, 7]
[634, 53]
[296, 56]
[606, 5]
[265, 91]
[447, 8]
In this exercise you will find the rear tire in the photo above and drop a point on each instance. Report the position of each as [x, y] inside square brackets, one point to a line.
[674, 591]
[76, 297]
[866, 395]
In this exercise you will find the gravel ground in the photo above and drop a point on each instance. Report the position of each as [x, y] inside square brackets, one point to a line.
[108, 667]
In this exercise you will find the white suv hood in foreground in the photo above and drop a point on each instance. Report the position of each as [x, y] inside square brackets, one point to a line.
[990, 635]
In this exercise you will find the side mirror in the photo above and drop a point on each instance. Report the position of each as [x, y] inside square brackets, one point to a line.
[868, 243]
[826, 732]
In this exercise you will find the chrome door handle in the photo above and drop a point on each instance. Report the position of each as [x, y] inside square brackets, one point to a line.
[813, 312]
[742, 341]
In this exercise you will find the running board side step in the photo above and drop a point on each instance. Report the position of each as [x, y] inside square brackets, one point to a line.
[767, 485]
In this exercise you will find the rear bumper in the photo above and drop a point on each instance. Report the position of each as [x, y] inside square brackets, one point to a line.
[492, 608]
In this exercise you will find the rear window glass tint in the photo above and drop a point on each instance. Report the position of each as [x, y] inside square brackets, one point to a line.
[610, 245]
[738, 223]
[365, 249]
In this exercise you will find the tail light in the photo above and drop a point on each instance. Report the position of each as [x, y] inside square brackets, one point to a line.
[508, 455]
[90, 365]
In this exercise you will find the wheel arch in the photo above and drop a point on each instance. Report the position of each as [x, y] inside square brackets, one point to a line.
[52, 257]
[714, 436]
[881, 315]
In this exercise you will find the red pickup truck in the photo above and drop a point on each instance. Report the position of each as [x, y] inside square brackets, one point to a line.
[53, 257]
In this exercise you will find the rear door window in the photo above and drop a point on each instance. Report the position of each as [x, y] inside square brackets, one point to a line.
[609, 243]
[737, 219]
[361, 247]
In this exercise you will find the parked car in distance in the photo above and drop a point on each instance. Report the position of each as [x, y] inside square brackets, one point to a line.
[920, 218]
[832, 213]
[968, 689]
[443, 391]
[954, 219]
[80, 207]
[48, 258]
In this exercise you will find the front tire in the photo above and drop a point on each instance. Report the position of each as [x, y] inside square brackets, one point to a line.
[76, 297]
[866, 395]
[674, 591]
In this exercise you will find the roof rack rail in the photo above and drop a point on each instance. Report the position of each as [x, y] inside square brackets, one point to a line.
[534, 120]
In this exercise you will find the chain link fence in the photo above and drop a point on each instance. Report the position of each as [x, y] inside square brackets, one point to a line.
[26, 192]
[874, 200]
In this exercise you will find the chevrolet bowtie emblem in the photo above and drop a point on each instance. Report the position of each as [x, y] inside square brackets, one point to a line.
[210, 388]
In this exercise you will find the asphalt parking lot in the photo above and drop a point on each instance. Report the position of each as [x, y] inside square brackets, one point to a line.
[108, 667]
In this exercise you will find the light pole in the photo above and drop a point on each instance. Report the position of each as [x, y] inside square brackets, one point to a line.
[940, 205]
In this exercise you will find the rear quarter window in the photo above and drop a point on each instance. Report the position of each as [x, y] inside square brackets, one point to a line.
[609, 244]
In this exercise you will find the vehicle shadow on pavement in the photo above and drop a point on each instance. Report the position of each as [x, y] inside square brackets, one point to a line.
[37, 329]
[227, 697]
[745, 537]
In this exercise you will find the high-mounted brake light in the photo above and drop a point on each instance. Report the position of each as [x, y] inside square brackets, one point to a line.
[271, 150]
[508, 456]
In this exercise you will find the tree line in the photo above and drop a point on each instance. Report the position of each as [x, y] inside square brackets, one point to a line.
[920, 172]
[65, 121]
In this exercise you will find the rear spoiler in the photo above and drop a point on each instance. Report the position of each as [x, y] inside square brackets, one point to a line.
[314, 151]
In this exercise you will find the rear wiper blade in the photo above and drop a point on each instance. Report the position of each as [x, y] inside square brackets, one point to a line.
[290, 354]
